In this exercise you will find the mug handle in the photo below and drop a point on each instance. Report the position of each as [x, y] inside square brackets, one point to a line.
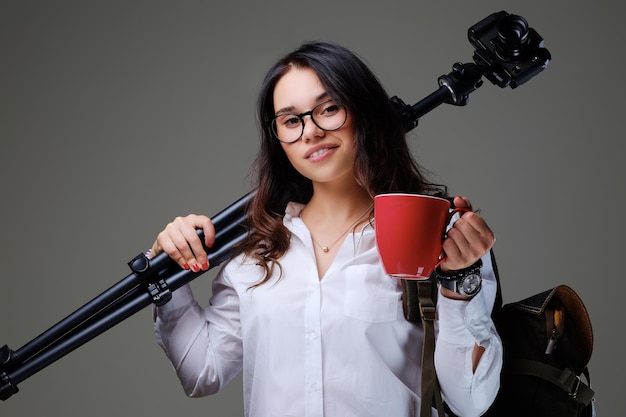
[454, 211]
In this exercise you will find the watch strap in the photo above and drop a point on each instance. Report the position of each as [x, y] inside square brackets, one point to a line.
[452, 280]
[459, 273]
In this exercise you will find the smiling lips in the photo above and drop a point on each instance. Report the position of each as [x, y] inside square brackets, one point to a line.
[319, 152]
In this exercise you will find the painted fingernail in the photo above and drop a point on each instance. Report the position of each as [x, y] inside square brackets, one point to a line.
[205, 266]
[195, 268]
[186, 266]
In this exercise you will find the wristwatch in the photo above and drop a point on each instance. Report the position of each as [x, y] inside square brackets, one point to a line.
[466, 281]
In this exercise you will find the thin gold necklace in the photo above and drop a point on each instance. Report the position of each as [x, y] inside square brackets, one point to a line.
[327, 248]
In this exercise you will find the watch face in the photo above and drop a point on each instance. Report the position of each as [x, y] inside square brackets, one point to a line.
[470, 285]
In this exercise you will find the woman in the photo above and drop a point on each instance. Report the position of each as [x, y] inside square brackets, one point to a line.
[304, 309]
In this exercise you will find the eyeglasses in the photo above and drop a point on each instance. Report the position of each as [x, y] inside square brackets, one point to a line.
[328, 116]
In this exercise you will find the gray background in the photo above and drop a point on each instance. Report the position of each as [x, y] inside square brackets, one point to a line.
[117, 116]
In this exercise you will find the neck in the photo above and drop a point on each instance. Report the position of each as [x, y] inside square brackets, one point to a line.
[335, 205]
[332, 207]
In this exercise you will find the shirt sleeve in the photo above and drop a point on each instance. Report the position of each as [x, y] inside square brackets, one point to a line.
[203, 344]
[462, 325]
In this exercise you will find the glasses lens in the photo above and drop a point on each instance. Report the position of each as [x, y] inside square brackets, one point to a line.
[288, 127]
[329, 116]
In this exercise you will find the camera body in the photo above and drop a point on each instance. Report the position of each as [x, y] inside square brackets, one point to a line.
[507, 50]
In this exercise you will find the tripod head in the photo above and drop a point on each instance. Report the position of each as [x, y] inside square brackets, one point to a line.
[508, 51]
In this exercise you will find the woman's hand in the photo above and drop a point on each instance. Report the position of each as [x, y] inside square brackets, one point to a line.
[468, 240]
[181, 242]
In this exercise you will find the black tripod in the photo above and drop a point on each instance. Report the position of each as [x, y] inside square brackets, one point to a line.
[508, 53]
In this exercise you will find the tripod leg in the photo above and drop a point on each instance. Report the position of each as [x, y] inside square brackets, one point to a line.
[114, 305]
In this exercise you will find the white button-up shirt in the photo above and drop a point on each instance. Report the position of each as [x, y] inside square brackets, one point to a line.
[335, 347]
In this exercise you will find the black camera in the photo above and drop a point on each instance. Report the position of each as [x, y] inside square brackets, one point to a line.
[508, 52]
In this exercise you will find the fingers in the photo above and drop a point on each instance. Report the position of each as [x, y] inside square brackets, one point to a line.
[468, 240]
[181, 242]
[462, 202]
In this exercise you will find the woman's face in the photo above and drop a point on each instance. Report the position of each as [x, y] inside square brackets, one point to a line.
[322, 156]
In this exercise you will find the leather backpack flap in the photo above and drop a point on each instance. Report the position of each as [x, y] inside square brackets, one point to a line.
[581, 325]
[559, 309]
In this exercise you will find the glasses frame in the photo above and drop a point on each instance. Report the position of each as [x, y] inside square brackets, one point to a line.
[272, 122]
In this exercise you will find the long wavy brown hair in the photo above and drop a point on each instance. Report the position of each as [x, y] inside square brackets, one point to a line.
[384, 162]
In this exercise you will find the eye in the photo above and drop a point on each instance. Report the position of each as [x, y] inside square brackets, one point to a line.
[328, 108]
[288, 120]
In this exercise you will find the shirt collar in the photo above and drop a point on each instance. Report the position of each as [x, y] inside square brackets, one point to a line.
[294, 223]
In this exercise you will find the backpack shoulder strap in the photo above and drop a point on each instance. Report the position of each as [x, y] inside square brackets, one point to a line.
[430, 384]
[566, 379]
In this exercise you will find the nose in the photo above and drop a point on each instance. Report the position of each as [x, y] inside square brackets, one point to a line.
[309, 129]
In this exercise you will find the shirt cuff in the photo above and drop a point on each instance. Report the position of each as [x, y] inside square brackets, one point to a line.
[463, 322]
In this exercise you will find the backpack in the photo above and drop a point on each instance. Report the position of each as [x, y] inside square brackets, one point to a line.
[547, 340]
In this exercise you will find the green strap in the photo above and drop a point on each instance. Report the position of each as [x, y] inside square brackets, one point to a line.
[430, 385]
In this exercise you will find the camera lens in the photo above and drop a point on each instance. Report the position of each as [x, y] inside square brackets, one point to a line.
[512, 35]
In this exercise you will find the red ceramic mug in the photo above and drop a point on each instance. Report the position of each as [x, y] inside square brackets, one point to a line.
[410, 229]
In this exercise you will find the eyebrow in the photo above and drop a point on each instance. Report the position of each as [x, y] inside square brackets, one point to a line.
[290, 109]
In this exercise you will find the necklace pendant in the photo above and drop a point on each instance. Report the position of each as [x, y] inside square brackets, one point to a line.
[325, 249]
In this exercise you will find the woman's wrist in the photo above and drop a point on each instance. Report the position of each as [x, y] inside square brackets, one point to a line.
[461, 284]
